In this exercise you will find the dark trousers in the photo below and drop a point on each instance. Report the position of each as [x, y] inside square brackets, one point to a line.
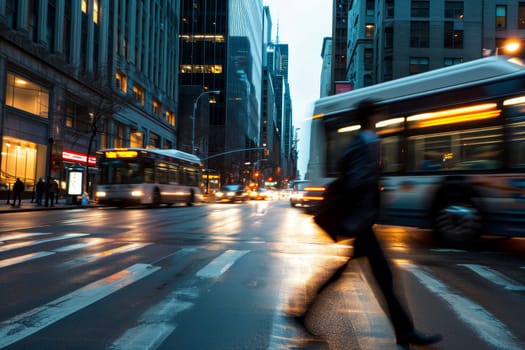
[17, 195]
[366, 244]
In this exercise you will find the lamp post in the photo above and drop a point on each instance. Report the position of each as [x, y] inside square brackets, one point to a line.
[195, 104]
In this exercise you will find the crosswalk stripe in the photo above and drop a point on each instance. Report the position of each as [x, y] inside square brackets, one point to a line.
[23, 258]
[14, 246]
[495, 277]
[157, 323]
[28, 323]
[23, 235]
[481, 321]
[221, 264]
[93, 257]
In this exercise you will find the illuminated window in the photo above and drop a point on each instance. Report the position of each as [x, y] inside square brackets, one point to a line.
[157, 107]
[121, 81]
[369, 30]
[26, 95]
[84, 7]
[170, 117]
[138, 93]
[200, 68]
[521, 16]
[418, 65]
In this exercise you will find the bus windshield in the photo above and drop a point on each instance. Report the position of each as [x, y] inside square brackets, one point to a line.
[126, 171]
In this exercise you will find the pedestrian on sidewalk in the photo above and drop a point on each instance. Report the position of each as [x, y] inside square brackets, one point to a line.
[40, 190]
[361, 166]
[18, 188]
[52, 191]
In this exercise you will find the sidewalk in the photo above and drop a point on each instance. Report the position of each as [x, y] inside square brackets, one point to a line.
[27, 205]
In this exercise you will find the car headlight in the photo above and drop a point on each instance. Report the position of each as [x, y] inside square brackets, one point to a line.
[219, 194]
[230, 194]
[100, 194]
[137, 193]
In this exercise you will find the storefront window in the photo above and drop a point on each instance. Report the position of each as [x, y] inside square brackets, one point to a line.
[26, 95]
[21, 159]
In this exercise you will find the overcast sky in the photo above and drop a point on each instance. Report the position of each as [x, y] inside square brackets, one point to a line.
[302, 25]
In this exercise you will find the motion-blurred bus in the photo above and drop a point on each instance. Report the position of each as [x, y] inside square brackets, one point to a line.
[453, 147]
[137, 176]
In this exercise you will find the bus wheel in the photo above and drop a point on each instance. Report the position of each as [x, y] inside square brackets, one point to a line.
[457, 223]
[156, 198]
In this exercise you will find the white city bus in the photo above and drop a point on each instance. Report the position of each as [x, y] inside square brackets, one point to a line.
[136, 176]
[453, 147]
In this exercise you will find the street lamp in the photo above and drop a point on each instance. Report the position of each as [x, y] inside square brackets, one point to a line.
[195, 104]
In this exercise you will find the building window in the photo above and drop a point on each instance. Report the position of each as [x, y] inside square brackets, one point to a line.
[121, 81]
[454, 9]
[420, 9]
[389, 8]
[157, 108]
[450, 61]
[453, 38]
[370, 7]
[419, 34]
[201, 68]
[369, 59]
[138, 93]
[521, 15]
[170, 117]
[119, 135]
[501, 17]
[26, 95]
[369, 30]
[389, 38]
[418, 65]
[154, 140]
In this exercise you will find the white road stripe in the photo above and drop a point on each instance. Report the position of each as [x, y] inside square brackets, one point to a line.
[22, 235]
[495, 277]
[14, 246]
[480, 321]
[221, 264]
[23, 258]
[158, 322]
[93, 257]
[89, 243]
[28, 323]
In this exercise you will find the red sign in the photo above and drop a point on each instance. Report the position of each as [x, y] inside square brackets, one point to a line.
[70, 156]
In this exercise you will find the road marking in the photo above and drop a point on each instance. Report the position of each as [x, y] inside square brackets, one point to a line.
[14, 246]
[97, 256]
[154, 326]
[23, 258]
[221, 264]
[22, 235]
[28, 323]
[480, 321]
[158, 322]
[495, 277]
[89, 243]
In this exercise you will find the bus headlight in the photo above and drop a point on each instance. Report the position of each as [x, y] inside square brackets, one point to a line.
[137, 193]
[100, 194]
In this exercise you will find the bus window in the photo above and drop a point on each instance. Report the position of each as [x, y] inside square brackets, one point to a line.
[162, 173]
[174, 176]
[390, 154]
[517, 144]
[478, 149]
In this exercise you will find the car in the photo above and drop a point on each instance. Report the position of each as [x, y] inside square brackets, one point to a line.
[260, 193]
[306, 194]
[231, 193]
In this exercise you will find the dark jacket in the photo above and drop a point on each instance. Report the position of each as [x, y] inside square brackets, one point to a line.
[361, 168]
[18, 187]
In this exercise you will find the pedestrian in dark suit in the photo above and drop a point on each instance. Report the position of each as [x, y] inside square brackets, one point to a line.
[361, 165]
[18, 188]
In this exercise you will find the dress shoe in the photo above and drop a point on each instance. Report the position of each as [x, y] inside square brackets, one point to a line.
[418, 338]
